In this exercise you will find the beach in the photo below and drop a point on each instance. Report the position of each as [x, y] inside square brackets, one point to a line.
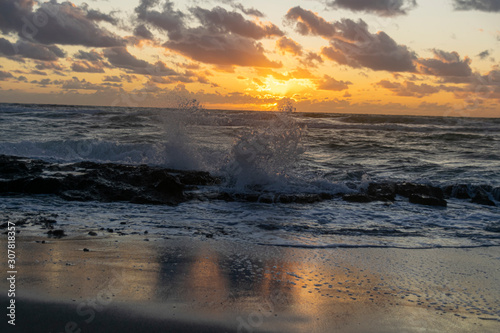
[138, 283]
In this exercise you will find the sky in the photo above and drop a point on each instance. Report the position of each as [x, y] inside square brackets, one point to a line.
[415, 57]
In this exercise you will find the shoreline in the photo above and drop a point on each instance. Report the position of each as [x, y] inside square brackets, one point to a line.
[183, 284]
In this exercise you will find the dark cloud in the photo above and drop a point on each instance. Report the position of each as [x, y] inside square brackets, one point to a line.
[219, 20]
[12, 13]
[90, 56]
[143, 32]
[112, 79]
[54, 23]
[312, 59]
[121, 58]
[96, 15]
[329, 83]
[42, 83]
[380, 7]
[409, 89]
[249, 11]
[37, 72]
[221, 49]
[48, 65]
[353, 45]
[285, 44]
[121, 78]
[30, 50]
[5, 75]
[224, 38]
[445, 64]
[483, 55]
[308, 23]
[87, 67]
[482, 5]
[78, 84]
[166, 18]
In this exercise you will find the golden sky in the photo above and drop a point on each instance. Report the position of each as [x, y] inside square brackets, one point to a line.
[419, 57]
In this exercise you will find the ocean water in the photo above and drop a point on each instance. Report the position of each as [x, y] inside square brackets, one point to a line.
[268, 154]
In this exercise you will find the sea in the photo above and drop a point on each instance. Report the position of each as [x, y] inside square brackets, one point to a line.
[267, 154]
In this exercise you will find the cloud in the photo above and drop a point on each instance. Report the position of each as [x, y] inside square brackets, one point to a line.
[167, 19]
[445, 64]
[98, 16]
[55, 23]
[249, 11]
[380, 7]
[123, 77]
[311, 59]
[285, 44]
[409, 89]
[351, 43]
[121, 58]
[483, 55]
[36, 72]
[76, 83]
[143, 32]
[30, 50]
[329, 83]
[221, 49]
[223, 38]
[86, 67]
[308, 23]
[5, 75]
[482, 5]
[219, 20]
[354, 46]
[90, 56]
[43, 65]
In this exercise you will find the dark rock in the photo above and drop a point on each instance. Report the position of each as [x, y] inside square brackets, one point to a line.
[266, 198]
[382, 191]
[92, 233]
[42, 185]
[224, 196]
[198, 178]
[58, 233]
[358, 197]
[85, 181]
[85, 249]
[407, 189]
[482, 198]
[109, 230]
[284, 198]
[457, 191]
[427, 200]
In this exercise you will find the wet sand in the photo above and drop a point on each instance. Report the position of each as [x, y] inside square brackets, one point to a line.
[187, 284]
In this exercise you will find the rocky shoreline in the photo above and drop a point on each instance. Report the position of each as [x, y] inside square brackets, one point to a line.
[142, 184]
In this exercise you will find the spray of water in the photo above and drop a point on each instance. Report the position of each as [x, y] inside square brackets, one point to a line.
[179, 150]
[264, 157]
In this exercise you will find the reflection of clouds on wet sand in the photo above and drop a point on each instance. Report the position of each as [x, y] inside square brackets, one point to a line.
[257, 288]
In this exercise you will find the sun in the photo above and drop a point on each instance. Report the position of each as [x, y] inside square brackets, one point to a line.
[270, 86]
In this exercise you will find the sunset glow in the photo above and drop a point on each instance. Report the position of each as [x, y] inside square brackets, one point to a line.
[388, 57]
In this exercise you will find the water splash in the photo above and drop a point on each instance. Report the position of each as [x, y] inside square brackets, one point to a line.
[264, 158]
[180, 150]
